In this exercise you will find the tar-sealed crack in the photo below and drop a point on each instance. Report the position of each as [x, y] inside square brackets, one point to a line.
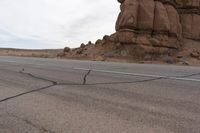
[85, 77]
[186, 76]
[36, 77]
[55, 83]
[24, 93]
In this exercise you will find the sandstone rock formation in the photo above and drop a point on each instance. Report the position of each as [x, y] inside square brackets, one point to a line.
[149, 29]
[160, 23]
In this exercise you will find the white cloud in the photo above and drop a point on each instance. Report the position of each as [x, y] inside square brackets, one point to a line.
[55, 23]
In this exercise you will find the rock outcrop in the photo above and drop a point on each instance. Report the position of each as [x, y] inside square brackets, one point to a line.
[148, 29]
[158, 23]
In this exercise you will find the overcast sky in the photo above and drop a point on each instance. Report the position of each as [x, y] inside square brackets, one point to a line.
[55, 23]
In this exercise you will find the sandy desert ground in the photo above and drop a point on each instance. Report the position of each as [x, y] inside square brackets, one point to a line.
[42, 53]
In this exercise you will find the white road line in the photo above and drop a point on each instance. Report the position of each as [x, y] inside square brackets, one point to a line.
[139, 74]
[123, 73]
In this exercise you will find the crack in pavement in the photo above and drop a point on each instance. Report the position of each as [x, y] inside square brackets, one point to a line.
[24, 93]
[85, 77]
[181, 78]
[28, 122]
[186, 76]
[126, 82]
[36, 77]
[55, 83]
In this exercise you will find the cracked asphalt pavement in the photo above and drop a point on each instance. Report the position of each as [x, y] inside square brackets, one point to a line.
[68, 96]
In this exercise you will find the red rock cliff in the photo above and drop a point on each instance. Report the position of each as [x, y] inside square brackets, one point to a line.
[148, 29]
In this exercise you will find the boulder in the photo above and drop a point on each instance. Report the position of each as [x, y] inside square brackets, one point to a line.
[66, 49]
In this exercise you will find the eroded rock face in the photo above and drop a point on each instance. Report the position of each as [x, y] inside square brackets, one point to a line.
[150, 28]
[189, 12]
[190, 25]
[128, 15]
[172, 17]
[165, 22]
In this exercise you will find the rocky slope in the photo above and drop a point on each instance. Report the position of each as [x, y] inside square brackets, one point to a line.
[163, 30]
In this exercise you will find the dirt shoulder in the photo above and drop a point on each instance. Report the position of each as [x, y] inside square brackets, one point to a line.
[42, 53]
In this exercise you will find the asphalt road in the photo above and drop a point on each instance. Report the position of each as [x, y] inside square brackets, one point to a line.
[67, 96]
